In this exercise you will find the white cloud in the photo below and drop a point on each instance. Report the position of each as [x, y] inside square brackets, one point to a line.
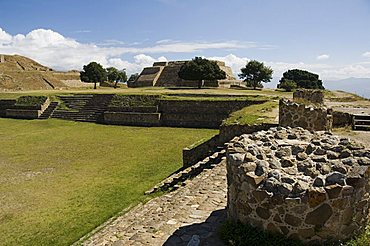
[4, 37]
[323, 57]
[233, 61]
[53, 49]
[326, 71]
[366, 54]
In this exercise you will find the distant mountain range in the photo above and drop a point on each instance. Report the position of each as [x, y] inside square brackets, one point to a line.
[360, 86]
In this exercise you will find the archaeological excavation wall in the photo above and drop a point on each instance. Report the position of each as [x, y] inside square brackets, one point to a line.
[306, 110]
[308, 186]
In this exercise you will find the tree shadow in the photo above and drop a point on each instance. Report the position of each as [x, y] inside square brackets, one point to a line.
[207, 231]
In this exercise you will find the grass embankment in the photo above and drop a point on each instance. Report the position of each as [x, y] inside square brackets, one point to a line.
[60, 179]
[254, 114]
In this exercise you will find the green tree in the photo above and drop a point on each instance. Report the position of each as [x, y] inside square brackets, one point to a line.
[288, 85]
[200, 69]
[302, 78]
[93, 72]
[254, 73]
[114, 75]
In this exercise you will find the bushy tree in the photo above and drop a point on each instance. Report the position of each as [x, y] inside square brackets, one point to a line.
[288, 85]
[200, 69]
[302, 78]
[114, 75]
[254, 73]
[93, 72]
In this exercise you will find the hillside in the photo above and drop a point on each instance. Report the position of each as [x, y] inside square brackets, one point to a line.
[21, 73]
[359, 86]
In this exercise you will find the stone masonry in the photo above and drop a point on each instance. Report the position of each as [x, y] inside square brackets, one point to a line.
[307, 110]
[311, 117]
[308, 186]
[193, 211]
[313, 96]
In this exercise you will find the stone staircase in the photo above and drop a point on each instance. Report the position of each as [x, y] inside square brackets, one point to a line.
[361, 122]
[87, 108]
[48, 111]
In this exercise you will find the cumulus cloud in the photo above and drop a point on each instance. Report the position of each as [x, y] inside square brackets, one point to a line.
[4, 37]
[233, 61]
[57, 51]
[323, 57]
[366, 54]
[326, 71]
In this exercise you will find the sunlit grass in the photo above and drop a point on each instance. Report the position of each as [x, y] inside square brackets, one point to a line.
[60, 179]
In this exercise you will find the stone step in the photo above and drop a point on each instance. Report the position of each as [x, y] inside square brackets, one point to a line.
[49, 110]
[361, 122]
[361, 127]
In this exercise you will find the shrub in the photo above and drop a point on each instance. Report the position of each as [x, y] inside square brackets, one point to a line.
[288, 85]
[31, 101]
[134, 100]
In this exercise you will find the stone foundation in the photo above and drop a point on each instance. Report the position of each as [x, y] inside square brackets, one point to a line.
[312, 96]
[308, 186]
[313, 118]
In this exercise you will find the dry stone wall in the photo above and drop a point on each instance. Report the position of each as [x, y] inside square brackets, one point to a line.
[308, 186]
[313, 96]
[311, 117]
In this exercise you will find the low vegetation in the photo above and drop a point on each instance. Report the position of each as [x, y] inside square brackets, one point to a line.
[254, 114]
[134, 100]
[31, 101]
[61, 179]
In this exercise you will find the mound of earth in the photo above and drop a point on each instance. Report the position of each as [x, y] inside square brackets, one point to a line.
[21, 73]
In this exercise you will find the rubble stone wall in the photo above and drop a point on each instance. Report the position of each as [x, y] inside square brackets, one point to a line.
[313, 118]
[308, 186]
[313, 96]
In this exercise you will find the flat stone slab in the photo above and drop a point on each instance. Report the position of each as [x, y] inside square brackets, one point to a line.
[191, 212]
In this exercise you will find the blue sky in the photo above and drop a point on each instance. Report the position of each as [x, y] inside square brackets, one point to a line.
[329, 37]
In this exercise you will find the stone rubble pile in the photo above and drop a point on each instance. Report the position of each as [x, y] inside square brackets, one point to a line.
[309, 186]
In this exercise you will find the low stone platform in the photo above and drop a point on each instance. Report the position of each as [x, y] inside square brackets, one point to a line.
[193, 211]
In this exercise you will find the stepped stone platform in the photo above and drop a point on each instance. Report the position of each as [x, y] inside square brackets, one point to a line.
[165, 74]
[87, 108]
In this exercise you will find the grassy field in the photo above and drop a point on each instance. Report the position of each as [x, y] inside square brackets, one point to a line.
[60, 179]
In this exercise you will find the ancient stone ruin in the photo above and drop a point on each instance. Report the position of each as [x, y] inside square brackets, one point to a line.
[166, 74]
[307, 110]
[308, 186]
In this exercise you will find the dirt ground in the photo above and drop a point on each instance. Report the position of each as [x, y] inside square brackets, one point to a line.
[360, 136]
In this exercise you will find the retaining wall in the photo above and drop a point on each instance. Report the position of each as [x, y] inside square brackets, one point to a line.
[6, 104]
[132, 118]
[24, 112]
[192, 155]
[341, 119]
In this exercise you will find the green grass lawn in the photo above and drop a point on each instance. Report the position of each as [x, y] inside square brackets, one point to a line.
[61, 179]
